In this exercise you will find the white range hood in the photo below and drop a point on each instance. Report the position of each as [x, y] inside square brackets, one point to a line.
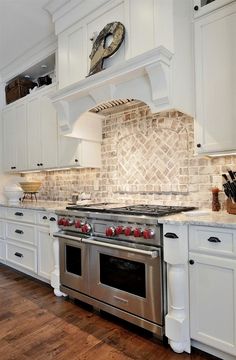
[146, 77]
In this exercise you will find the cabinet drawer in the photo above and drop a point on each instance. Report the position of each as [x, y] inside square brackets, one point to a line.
[21, 232]
[212, 240]
[43, 218]
[21, 215]
[21, 255]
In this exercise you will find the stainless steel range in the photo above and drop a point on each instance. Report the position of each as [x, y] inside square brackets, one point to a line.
[112, 258]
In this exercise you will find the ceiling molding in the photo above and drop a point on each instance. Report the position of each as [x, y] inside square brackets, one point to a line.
[37, 53]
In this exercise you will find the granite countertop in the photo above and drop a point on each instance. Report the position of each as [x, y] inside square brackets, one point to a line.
[39, 205]
[201, 217]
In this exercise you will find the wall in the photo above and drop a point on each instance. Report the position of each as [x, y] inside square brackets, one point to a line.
[146, 158]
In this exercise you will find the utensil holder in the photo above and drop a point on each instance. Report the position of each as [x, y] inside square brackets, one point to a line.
[230, 207]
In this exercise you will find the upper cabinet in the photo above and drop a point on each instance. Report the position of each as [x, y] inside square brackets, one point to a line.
[42, 132]
[15, 137]
[215, 58]
[202, 7]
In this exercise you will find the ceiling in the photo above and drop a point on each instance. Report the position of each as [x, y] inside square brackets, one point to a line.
[23, 24]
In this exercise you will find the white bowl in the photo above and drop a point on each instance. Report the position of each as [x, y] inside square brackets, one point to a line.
[13, 194]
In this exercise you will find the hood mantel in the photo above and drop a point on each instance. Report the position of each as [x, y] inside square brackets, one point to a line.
[146, 77]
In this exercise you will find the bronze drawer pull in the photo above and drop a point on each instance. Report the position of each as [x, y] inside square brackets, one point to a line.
[171, 235]
[19, 213]
[21, 232]
[214, 239]
[19, 255]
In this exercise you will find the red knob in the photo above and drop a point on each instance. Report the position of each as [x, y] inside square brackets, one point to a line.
[86, 228]
[128, 231]
[137, 232]
[77, 224]
[119, 230]
[148, 233]
[110, 231]
[61, 221]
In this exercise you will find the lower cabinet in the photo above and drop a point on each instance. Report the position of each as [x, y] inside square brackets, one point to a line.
[45, 253]
[21, 255]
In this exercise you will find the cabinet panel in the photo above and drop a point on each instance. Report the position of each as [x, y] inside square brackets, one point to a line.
[69, 151]
[21, 255]
[20, 215]
[215, 55]
[45, 253]
[212, 301]
[20, 231]
[21, 136]
[2, 251]
[202, 7]
[34, 133]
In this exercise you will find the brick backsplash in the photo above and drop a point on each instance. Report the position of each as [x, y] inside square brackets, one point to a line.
[146, 158]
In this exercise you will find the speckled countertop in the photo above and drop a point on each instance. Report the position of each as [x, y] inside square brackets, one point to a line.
[39, 205]
[201, 217]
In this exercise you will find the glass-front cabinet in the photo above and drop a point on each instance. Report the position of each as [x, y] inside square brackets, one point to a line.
[202, 7]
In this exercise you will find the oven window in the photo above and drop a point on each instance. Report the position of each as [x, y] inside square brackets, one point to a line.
[73, 260]
[123, 274]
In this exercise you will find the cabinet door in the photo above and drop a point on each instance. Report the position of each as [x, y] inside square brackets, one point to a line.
[202, 7]
[10, 145]
[69, 151]
[34, 134]
[48, 119]
[21, 137]
[215, 58]
[213, 301]
[45, 253]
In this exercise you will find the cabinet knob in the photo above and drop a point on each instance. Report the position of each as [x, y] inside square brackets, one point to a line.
[41, 164]
[44, 217]
[199, 145]
[191, 262]
[52, 219]
[38, 164]
[196, 8]
[76, 160]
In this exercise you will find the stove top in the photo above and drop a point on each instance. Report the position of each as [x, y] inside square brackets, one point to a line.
[148, 210]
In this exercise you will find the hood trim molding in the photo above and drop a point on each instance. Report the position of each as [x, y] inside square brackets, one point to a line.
[146, 77]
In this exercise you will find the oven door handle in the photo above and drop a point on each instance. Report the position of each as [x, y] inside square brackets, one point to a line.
[69, 237]
[153, 253]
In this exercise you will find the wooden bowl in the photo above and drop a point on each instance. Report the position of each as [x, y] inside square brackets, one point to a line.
[30, 186]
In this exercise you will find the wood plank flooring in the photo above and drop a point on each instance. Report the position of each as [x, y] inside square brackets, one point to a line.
[36, 325]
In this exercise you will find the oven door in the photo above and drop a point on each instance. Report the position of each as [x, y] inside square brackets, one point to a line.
[73, 263]
[129, 278]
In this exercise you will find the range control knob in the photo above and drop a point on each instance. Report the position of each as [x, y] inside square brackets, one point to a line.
[78, 224]
[110, 231]
[66, 222]
[128, 231]
[148, 233]
[119, 230]
[61, 221]
[86, 228]
[137, 232]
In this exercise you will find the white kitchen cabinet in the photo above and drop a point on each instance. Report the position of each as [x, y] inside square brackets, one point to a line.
[74, 152]
[215, 58]
[212, 279]
[45, 253]
[202, 7]
[42, 132]
[15, 137]
[2, 242]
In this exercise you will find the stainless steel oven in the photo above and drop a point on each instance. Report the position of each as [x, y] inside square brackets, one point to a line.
[114, 261]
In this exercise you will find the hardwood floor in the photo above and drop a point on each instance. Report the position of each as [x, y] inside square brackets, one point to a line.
[36, 325]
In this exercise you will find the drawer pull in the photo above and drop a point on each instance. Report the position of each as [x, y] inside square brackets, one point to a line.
[19, 255]
[171, 235]
[21, 232]
[44, 217]
[52, 219]
[214, 239]
[19, 213]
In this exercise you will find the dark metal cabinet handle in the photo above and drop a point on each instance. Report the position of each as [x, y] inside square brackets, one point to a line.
[38, 164]
[13, 167]
[171, 235]
[199, 145]
[191, 262]
[19, 213]
[19, 255]
[214, 239]
[21, 232]
[52, 219]
[196, 8]
[76, 160]
[44, 217]
[41, 164]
